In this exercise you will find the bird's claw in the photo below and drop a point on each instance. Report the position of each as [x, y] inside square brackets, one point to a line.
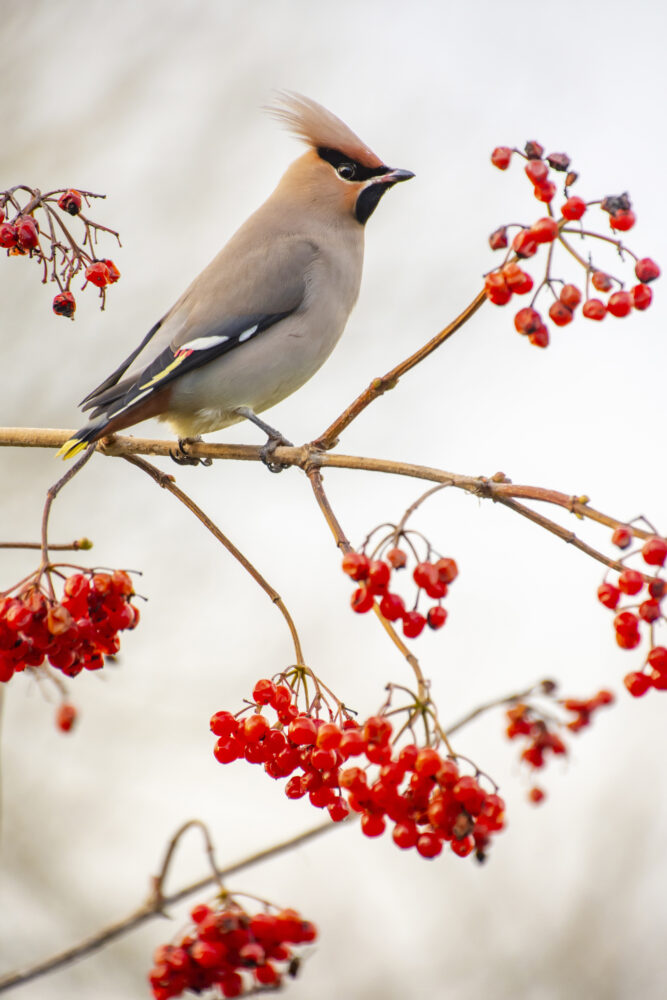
[181, 457]
[266, 452]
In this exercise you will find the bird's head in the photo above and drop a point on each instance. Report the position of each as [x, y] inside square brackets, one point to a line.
[339, 169]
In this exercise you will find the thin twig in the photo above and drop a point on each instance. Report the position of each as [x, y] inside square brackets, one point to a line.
[507, 699]
[315, 477]
[389, 381]
[167, 483]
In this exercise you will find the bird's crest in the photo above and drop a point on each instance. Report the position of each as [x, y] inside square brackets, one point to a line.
[319, 128]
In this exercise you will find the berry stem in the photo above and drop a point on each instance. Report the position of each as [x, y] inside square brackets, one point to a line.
[159, 879]
[167, 482]
[509, 699]
[607, 239]
[51, 494]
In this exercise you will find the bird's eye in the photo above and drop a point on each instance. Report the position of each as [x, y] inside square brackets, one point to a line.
[347, 171]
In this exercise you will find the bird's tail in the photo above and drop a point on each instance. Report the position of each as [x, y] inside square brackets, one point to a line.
[81, 440]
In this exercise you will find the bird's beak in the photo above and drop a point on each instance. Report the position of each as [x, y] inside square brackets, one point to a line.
[394, 176]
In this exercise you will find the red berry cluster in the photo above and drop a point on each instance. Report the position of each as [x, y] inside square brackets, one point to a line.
[642, 611]
[509, 279]
[421, 792]
[74, 633]
[62, 259]
[230, 951]
[541, 732]
[374, 576]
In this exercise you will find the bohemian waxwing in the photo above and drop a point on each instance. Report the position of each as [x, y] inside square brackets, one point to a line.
[267, 312]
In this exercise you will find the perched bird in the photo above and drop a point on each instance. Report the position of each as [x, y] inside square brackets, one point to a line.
[267, 312]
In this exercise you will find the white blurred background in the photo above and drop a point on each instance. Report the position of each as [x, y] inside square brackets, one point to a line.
[159, 107]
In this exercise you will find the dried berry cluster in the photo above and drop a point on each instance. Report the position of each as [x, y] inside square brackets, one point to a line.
[374, 577]
[542, 732]
[52, 245]
[421, 792]
[230, 951]
[641, 609]
[74, 633]
[510, 279]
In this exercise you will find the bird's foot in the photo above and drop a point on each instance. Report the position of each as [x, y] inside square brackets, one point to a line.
[266, 453]
[180, 453]
[275, 439]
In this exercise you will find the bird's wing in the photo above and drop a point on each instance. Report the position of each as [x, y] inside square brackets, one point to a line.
[214, 317]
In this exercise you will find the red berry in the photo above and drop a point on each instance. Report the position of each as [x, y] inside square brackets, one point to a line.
[392, 607]
[97, 273]
[255, 728]
[224, 724]
[573, 208]
[64, 304]
[413, 624]
[70, 202]
[405, 835]
[608, 595]
[646, 270]
[594, 309]
[65, 716]
[536, 795]
[498, 238]
[378, 576]
[630, 581]
[8, 235]
[623, 219]
[518, 281]
[527, 321]
[641, 297]
[545, 192]
[540, 338]
[302, 731]
[264, 692]
[626, 623]
[361, 600]
[372, 825]
[628, 640]
[637, 683]
[396, 558]
[654, 551]
[657, 659]
[560, 314]
[544, 230]
[27, 233]
[620, 303]
[356, 565]
[601, 281]
[570, 296]
[329, 736]
[427, 762]
[462, 848]
[649, 611]
[501, 157]
[657, 589]
[447, 569]
[436, 617]
[622, 537]
[524, 243]
[537, 171]
[424, 573]
[429, 845]
[2, 215]
[496, 288]
[114, 273]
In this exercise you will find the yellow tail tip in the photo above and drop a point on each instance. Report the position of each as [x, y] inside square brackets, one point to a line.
[71, 448]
